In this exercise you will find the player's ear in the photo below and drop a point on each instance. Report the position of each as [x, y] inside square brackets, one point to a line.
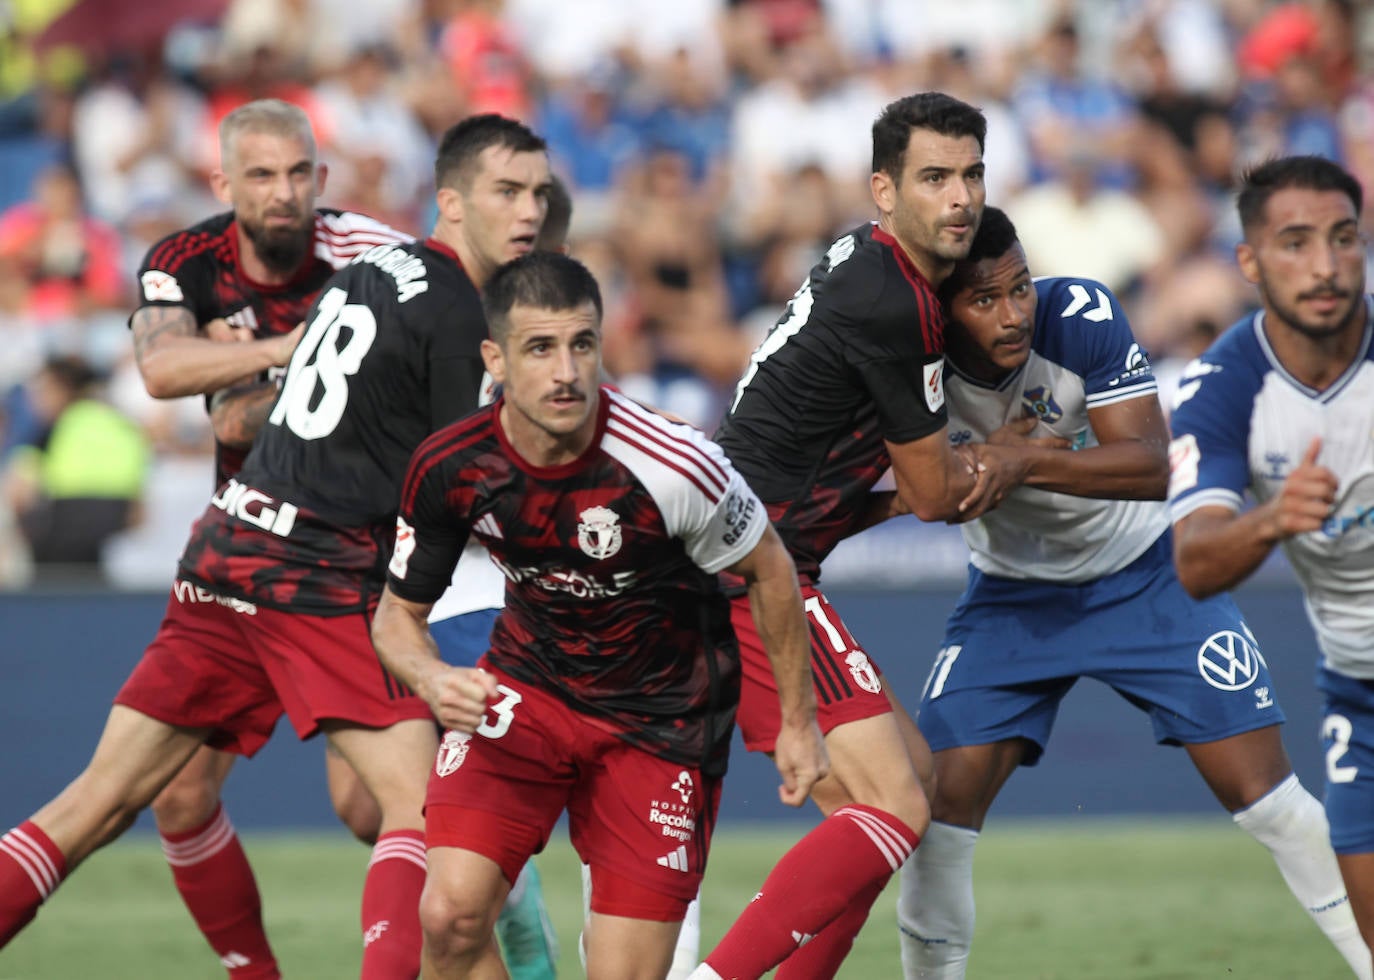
[884, 191]
[450, 204]
[495, 360]
[219, 185]
[1249, 265]
[321, 175]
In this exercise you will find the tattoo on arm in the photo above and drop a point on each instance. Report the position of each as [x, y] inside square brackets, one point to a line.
[238, 413]
[151, 323]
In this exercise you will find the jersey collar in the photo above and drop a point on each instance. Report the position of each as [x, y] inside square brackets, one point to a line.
[562, 470]
[1330, 392]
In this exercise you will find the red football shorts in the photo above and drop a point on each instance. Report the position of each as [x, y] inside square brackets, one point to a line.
[233, 667]
[643, 823]
[848, 684]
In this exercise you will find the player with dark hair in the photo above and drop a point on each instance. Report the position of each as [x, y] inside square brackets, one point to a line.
[278, 583]
[1071, 577]
[612, 679]
[1282, 405]
[247, 276]
[848, 383]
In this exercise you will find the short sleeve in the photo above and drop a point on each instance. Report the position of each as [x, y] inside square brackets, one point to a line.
[1209, 454]
[430, 532]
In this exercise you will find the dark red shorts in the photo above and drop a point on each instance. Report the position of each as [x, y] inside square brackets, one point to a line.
[636, 819]
[848, 684]
[233, 667]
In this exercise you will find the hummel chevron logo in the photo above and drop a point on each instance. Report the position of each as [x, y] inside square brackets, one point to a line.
[677, 861]
[1082, 299]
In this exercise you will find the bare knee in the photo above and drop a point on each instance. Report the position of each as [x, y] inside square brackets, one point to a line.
[359, 812]
[186, 802]
[454, 927]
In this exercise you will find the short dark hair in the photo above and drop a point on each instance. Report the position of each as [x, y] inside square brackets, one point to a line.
[936, 111]
[542, 280]
[1312, 173]
[553, 233]
[995, 238]
[464, 142]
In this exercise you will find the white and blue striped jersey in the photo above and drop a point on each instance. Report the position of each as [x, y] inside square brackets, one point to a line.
[1083, 356]
[1241, 422]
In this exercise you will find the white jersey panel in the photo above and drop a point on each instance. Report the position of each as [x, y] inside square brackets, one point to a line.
[703, 500]
[340, 238]
[1244, 425]
[1083, 356]
[477, 584]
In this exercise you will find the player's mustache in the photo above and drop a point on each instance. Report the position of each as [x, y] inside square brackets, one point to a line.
[568, 391]
[1325, 294]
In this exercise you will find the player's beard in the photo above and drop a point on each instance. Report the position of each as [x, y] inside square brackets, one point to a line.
[1351, 316]
[281, 249]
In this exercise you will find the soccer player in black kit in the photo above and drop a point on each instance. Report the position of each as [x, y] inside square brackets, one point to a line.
[221, 304]
[845, 385]
[278, 583]
[611, 683]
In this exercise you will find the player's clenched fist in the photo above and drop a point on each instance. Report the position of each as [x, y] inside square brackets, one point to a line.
[458, 696]
[1305, 500]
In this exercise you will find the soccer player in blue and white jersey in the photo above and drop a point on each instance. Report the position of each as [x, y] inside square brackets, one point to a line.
[1282, 406]
[1071, 577]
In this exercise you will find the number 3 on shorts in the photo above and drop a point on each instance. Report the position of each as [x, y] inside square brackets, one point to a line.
[504, 710]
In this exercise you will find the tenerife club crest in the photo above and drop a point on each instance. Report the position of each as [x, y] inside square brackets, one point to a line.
[1039, 403]
[598, 533]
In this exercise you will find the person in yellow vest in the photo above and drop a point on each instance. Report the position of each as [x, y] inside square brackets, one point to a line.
[82, 479]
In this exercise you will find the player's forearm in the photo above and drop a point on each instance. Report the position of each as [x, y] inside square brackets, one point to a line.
[1127, 470]
[775, 602]
[238, 414]
[933, 492]
[1215, 553]
[179, 366]
[401, 637]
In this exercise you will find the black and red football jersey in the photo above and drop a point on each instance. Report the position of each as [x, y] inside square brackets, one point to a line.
[612, 601]
[199, 268]
[390, 354]
[854, 362]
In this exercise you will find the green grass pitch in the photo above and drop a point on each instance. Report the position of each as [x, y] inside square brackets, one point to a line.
[1068, 900]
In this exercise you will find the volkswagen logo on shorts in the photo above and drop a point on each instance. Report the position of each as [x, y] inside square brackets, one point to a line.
[1229, 661]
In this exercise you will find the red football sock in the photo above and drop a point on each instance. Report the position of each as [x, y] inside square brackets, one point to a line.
[821, 877]
[391, 907]
[820, 959]
[216, 883]
[31, 868]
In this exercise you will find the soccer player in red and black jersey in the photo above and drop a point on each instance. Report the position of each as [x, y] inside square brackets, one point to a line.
[282, 573]
[610, 687]
[248, 276]
[847, 384]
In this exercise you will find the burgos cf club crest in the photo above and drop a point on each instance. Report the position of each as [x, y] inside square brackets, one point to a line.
[1039, 402]
[451, 753]
[598, 533]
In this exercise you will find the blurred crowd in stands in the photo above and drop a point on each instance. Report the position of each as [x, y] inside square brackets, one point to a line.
[713, 148]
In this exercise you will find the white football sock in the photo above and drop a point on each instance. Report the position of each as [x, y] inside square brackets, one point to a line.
[935, 904]
[1292, 824]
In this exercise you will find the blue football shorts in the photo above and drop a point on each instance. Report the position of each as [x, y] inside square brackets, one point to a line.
[463, 639]
[1013, 649]
[1348, 738]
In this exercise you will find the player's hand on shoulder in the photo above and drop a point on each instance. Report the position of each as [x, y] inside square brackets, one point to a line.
[802, 760]
[458, 696]
[1305, 500]
[1018, 433]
